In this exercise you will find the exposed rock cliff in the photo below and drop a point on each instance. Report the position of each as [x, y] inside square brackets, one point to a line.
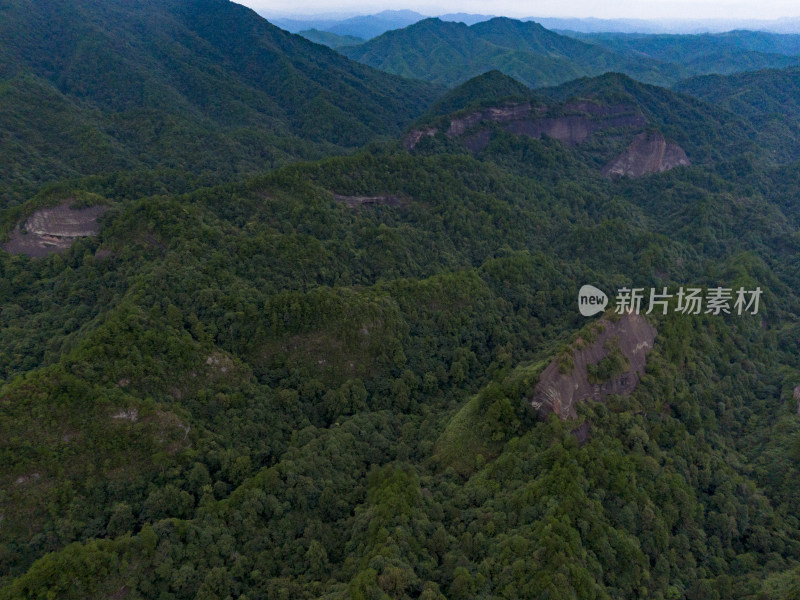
[648, 153]
[414, 137]
[54, 229]
[612, 363]
[498, 114]
[573, 129]
[570, 123]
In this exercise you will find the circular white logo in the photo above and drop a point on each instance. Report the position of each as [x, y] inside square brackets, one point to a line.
[591, 300]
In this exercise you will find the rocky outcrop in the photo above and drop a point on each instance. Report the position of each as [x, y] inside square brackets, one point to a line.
[595, 108]
[573, 377]
[54, 229]
[571, 123]
[648, 153]
[499, 114]
[797, 397]
[414, 137]
[573, 129]
[460, 125]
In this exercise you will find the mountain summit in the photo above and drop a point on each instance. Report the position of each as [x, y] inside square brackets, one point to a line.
[451, 53]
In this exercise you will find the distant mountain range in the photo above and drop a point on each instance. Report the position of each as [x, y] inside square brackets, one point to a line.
[683, 26]
[365, 27]
[369, 26]
[449, 53]
[728, 52]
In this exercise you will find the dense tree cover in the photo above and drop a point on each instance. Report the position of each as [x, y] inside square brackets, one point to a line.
[489, 88]
[268, 389]
[259, 392]
[202, 86]
[706, 53]
[768, 99]
[450, 53]
[766, 93]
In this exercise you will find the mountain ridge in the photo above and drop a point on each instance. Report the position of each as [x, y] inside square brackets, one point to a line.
[203, 84]
[536, 56]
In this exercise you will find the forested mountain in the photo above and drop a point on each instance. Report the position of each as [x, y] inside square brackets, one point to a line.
[766, 93]
[489, 88]
[331, 40]
[701, 54]
[451, 53]
[205, 86]
[769, 100]
[705, 130]
[325, 380]
[617, 106]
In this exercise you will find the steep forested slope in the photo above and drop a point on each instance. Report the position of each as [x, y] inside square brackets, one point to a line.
[198, 85]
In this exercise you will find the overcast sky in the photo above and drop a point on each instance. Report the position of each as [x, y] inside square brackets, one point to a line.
[640, 9]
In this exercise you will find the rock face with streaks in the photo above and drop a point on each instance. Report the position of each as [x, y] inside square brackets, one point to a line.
[570, 123]
[648, 153]
[574, 377]
[499, 114]
[54, 229]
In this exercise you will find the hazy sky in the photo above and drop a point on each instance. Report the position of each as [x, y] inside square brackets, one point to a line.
[641, 9]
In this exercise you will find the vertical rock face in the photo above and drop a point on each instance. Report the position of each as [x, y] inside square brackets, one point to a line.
[570, 123]
[649, 153]
[498, 114]
[565, 383]
[573, 129]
